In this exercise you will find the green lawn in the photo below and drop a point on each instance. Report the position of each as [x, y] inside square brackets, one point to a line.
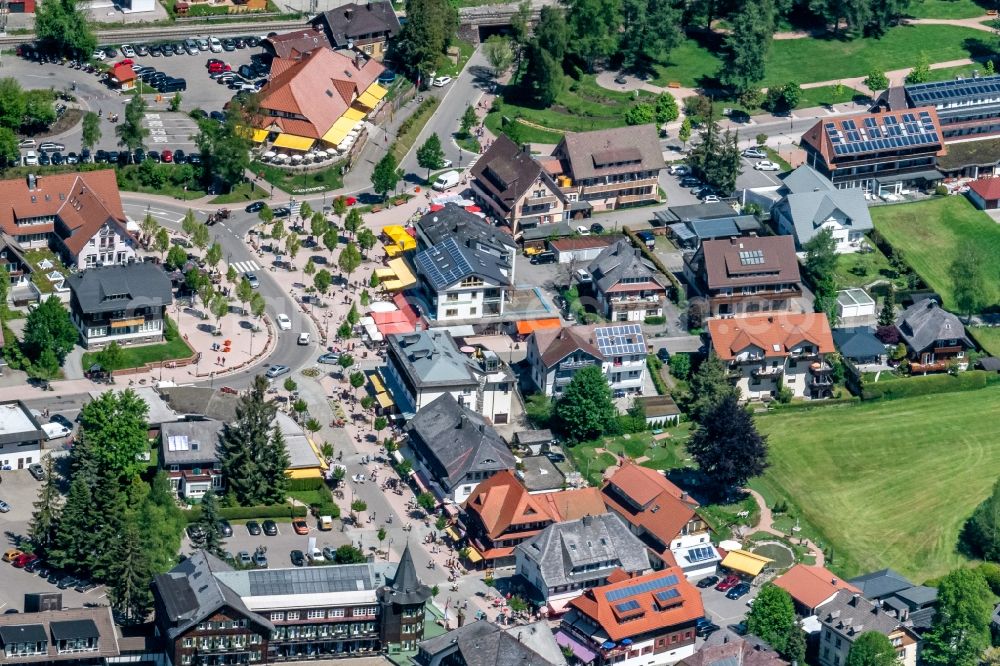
[929, 234]
[664, 454]
[948, 73]
[859, 270]
[39, 276]
[695, 63]
[827, 96]
[136, 356]
[944, 9]
[525, 133]
[580, 107]
[241, 193]
[293, 183]
[448, 68]
[989, 338]
[887, 484]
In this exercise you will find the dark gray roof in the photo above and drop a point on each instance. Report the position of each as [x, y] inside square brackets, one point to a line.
[205, 401]
[406, 588]
[543, 231]
[619, 261]
[812, 199]
[304, 581]
[539, 474]
[23, 633]
[430, 358]
[604, 540]
[506, 172]
[882, 583]
[73, 629]
[355, 21]
[706, 211]
[459, 439]
[527, 437]
[858, 342]
[918, 595]
[185, 442]
[482, 643]
[190, 592]
[850, 615]
[720, 227]
[128, 287]
[449, 262]
[989, 363]
[925, 321]
[469, 229]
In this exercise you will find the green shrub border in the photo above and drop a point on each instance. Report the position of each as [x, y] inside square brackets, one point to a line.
[676, 293]
[971, 380]
[248, 512]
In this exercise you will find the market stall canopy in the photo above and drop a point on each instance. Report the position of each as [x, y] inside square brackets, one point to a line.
[397, 276]
[745, 562]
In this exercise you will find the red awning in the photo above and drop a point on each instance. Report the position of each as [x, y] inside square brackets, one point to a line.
[473, 209]
[436, 207]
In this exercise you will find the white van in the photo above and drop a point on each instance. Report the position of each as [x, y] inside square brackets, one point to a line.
[447, 180]
[55, 430]
[31, 158]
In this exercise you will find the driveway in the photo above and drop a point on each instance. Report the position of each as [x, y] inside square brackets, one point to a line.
[724, 612]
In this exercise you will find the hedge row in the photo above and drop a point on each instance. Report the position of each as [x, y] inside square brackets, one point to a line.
[248, 512]
[891, 389]
[296, 485]
[676, 293]
[654, 364]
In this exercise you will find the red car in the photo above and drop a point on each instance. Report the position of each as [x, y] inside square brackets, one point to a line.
[300, 526]
[126, 61]
[727, 583]
[23, 560]
[167, 156]
[219, 67]
[350, 201]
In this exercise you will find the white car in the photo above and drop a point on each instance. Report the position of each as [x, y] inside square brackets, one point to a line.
[128, 51]
[583, 231]
[680, 170]
[710, 198]
[303, 338]
[27, 143]
[98, 54]
[284, 323]
[202, 44]
[55, 430]
[31, 158]
[441, 81]
[766, 165]
[214, 45]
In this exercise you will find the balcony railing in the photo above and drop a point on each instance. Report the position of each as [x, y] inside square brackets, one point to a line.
[636, 198]
[768, 372]
[622, 185]
[576, 365]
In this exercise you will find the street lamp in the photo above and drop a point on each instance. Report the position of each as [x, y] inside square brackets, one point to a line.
[388, 550]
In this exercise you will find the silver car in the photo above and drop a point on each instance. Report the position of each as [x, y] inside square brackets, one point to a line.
[276, 371]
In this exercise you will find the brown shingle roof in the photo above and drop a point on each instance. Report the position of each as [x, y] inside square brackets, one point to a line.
[107, 645]
[654, 503]
[297, 43]
[506, 171]
[320, 87]
[83, 201]
[582, 243]
[555, 344]
[811, 586]
[752, 260]
[612, 151]
[775, 335]
[749, 651]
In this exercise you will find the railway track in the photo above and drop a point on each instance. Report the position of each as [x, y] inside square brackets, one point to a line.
[174, 32]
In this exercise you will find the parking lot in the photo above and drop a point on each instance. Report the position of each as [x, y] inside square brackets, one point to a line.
[279, 546]
[170, 130]
[724, 612]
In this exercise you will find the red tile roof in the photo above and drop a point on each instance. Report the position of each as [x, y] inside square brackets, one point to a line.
[582, 243]
[320, 87]
[818, 137]
[652, 614]
[775, 335]
[987, 188]
[122, 73]
[83, 201]
[811, 586]
[655, 504]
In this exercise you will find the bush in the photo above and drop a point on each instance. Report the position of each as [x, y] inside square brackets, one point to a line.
[295, 485]
[676, 292]
[250, 512]
[654, 364]
[891, 389]
[655, 321]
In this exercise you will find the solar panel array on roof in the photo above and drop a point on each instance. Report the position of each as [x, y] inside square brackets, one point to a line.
[624, 339]
[899, 131]
[700, 554]
[310, 580]
[937, 93]
[177, 443]
[647, 586]
[667, 595]
[444, 264]
[752, 257]
[629, 605]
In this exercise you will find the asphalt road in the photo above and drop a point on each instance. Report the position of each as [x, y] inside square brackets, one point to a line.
[230, 234]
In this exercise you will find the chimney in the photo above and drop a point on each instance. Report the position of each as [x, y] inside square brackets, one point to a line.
[833, 581]
[854, 599]
[32, 182]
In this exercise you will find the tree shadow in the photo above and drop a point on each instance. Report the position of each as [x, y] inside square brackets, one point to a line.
[978, 48]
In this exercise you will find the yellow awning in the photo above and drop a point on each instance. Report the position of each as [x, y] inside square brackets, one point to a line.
[403, 276]
[393, 250]
[293, 142]
[367, 100]
[259, 135]
[384, 274]
[398, 234]
[474, 556]
[452, 534]
[354, 114]
[376, 383]
[384, 401]
[124, 323]
[376, 91]
[339, 130]
[745, 562]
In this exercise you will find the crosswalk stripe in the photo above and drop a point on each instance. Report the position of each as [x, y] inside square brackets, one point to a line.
[245, 266]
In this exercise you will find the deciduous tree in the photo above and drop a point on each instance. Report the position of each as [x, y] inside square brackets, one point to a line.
[130, 131]
[91, 130]
[727, 447]
[586, 410]
[116, 432]
[425, 36]
[594, 25]
[772, 617]
[49, 326]
[972, 275]
[499, 54]
[960, 630]
[871, 648]
[876, 80]
[709, 386]
[430, 155]
[386, 175]
[349, 259]
[62, 27]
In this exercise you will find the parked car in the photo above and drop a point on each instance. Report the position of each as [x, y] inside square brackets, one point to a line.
[51, 146]
[766, 165]
[215, 45]
[276, 371]
[27, 143]
[298, 558]
[228, 45]
[328, 358]
[128, 51]
[243, 559]
[253, 527]
[167, 156]
[12, 554]
[36, 471]
[225, 529]
[727, 583]
[141, 50]
[98, 55]
[34, 566]
[680, 170]
[710, 198]
[260, 559]
[252, 279]
[284, 323]
[738, 590]
[690, 181]
[705, 628]
[23, 560]
[442, 81]
[270, 528]
[202, 44]
[300, 526]
[708, 582]
[597, 228]
[195, 533]
[755, 153]
[664, 356]
[543, 258]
